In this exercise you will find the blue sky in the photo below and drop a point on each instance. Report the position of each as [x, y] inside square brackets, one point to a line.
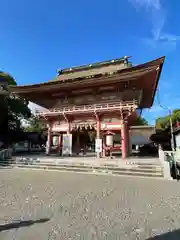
[38, 37]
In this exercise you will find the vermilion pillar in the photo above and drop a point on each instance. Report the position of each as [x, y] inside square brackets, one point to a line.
[130, 143]
[98, 129]
[127, 137]
[69, 127]
[124, 139]
[49, 139]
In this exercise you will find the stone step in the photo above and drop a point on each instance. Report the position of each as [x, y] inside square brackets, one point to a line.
[71, 160]
[88, 163]
[114, 171]
[96, 166]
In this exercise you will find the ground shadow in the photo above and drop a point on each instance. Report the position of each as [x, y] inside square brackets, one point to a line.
[173, 235]
[20, 224]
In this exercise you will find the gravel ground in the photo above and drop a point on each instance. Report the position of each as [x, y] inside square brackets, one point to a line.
[56, 205]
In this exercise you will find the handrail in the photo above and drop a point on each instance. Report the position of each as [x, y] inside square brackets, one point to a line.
[91, 107]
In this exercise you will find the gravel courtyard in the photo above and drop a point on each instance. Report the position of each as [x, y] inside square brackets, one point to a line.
[56, 205]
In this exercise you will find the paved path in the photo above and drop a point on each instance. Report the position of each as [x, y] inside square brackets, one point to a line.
[53, 205]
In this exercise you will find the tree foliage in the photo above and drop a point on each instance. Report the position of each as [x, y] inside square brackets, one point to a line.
[35, 125]
[163, 134]
[140, 121]
[164, 122]
[13, 110]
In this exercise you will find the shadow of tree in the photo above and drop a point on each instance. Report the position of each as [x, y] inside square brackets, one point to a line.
[173, 235]
[20, 224]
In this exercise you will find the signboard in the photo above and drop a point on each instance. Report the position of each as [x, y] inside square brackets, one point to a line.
[67, 144]
[60, 128]
[110, 126]
[98, 145]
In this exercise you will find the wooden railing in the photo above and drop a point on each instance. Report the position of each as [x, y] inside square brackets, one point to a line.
[91, 108]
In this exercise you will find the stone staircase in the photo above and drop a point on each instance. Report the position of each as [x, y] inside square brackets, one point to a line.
[94, 166]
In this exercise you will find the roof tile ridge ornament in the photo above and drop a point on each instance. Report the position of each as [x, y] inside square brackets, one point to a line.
[96, 64]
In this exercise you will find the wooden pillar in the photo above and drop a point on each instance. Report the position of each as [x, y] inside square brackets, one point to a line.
[98, 130]
[77, 144]
[128, 140]
[124, 139]
[59, 143]
[69, 127]
[130, 144]
[104, 146]
[49, 139]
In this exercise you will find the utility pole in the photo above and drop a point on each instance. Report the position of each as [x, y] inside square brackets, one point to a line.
[170, 123]
[171, 127]
[172, 132]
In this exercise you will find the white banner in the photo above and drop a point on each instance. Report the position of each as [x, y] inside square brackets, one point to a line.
[98, 145]
[67, 144]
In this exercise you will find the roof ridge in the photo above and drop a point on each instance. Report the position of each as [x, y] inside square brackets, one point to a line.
[95, 64]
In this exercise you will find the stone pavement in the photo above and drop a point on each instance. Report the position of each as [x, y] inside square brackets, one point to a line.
[54, 205]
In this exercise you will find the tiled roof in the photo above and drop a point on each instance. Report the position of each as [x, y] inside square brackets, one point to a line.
[135, 70]
[110, 66]
[146, 74]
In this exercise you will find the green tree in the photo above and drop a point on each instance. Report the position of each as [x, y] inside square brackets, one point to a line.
[35, 125]
[12, 110]
[163, 123]
[140, 121]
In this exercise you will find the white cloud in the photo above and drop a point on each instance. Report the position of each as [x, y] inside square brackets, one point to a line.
[148, 3]
[156, 14]
[169, 37]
